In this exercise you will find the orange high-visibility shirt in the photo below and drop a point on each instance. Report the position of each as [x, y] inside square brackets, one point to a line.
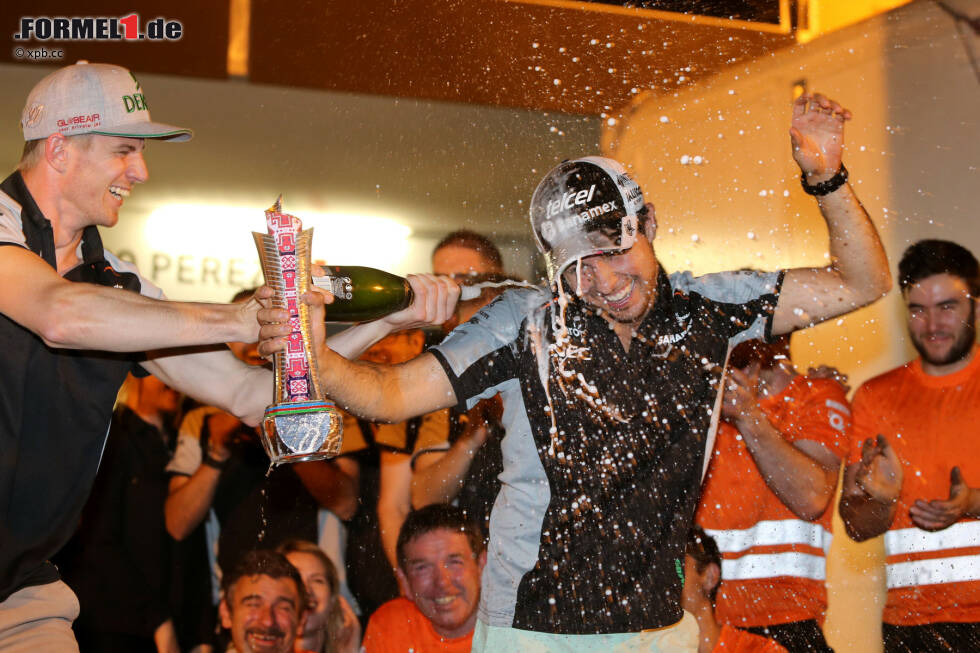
[773, 562]
[733, 640]
[399, 626]
[933, 424]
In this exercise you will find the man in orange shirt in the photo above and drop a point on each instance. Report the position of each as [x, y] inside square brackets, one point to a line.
[916, 472]
[768, 493]
[440, 558]
[702, 572]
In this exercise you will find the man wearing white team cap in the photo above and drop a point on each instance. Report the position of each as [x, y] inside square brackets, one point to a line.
[611, 381]
[74, 320]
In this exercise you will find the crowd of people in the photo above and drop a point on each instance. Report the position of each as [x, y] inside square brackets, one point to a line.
[620, 459]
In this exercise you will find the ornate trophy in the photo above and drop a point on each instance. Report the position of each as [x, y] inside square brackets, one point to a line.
[301, 424]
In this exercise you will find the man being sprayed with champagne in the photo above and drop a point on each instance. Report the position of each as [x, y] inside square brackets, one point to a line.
[611, 382]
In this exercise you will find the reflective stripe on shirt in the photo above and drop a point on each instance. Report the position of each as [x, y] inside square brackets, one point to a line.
[902, 541]
[931, 572]
[771, 565]
[772, 533]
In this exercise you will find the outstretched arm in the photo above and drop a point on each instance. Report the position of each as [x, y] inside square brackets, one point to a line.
[871, 490]
[380, 393]
[87, 316]
[429, 309]
[858, 273]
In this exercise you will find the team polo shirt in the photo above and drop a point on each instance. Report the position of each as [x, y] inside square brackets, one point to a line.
[773, 563]
[55, 405]
[931, 423]
[587, 533]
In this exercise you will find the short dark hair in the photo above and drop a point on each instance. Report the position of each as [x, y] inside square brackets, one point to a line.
[264, 562]
[767, 354]
[929, 257]
[437, 516]
[704, 550]
[472, 240]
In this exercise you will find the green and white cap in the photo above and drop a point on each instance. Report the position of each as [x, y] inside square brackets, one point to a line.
[92, 98]
[584, 207]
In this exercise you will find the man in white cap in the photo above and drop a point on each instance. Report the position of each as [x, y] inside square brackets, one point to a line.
[72, 319]
[611, 382]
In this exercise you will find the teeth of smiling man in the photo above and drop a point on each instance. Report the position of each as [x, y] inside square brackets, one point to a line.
[118, 192]
[445, 600]
[620, 296]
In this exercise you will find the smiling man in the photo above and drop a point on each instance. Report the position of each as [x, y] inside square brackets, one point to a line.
[75, 320]
[264, 604]
[440, 557]
[610, 380]
[914, 473]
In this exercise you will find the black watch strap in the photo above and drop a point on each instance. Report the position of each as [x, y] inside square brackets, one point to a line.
[825, 187]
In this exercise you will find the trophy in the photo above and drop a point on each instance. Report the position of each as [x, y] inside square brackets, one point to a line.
[301, 424]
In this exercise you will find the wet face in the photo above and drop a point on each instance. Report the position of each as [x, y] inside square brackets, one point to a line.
[263, 614]
[622, 284]
[454, 260]
[443, 577]
[100, 172]
[317, 587]
[941, 320]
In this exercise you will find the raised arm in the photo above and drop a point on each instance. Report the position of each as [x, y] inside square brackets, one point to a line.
[87, 316]
[858, 273]
[803, 474]
[379, 393]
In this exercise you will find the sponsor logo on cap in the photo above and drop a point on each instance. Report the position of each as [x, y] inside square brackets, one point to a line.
[552, 226]
[79, 122]
[570, 199]
[630, 187]
[134, 102]
[34, 115]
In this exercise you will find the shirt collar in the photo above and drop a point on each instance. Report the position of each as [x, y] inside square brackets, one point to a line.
[37, 228]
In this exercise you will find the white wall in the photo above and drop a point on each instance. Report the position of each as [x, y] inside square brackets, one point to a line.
[912, 154]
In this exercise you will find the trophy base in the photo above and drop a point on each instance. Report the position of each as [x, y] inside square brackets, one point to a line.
[301, 431]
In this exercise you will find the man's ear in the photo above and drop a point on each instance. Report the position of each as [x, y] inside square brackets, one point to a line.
[56, 152]
[225, 613]
[651, 226]
[481, 560]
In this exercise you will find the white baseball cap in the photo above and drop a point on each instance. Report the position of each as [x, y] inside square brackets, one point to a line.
[583, 207]
[92, 98]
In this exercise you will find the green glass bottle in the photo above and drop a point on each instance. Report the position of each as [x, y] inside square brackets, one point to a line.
[362, 294]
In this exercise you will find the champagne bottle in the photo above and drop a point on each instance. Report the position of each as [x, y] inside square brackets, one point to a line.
[362, 293]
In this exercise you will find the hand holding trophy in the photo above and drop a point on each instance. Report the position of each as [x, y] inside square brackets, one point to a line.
[301, 424]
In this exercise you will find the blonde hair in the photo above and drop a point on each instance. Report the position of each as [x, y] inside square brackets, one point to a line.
[335, 614]
[33, 151]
